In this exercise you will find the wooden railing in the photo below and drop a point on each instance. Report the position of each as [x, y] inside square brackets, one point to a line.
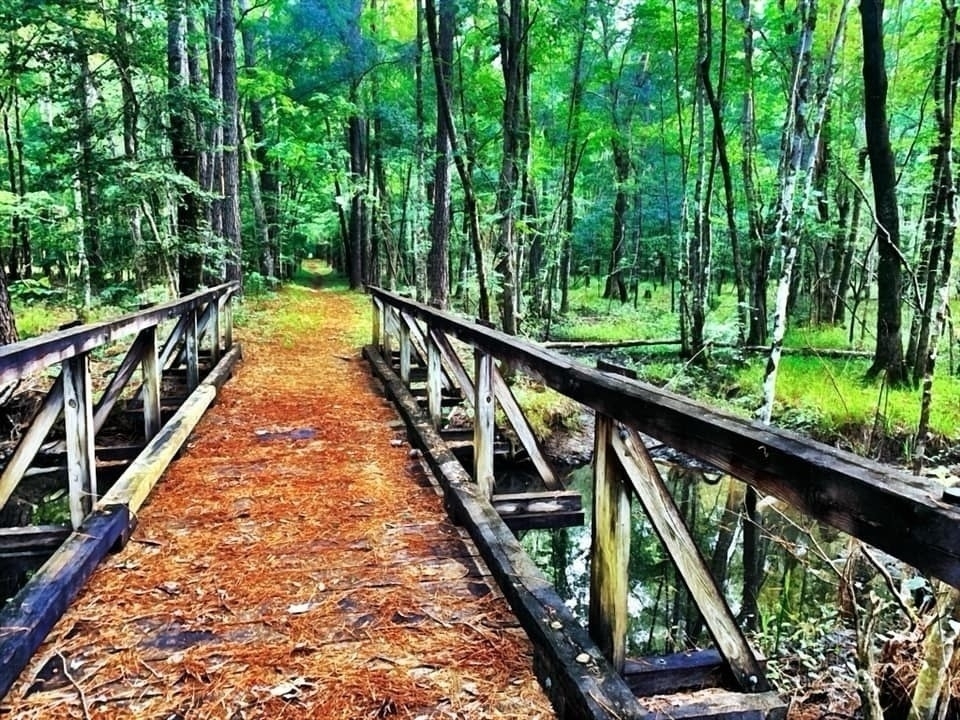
[203, 318]
[902, 515]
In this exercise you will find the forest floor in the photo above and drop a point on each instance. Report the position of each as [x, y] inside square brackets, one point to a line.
[294, 562]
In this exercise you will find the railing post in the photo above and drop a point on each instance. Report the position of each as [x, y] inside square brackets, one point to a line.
[483, 423]
[385, 334]
[228, 321]
[192, 351]
[434, 381]
[404, 350]
[214, 332]
[150, 366]
[78, 422]
[376, 316]
[610, 548]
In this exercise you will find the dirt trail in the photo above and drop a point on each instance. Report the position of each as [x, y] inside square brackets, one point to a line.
[294, 563]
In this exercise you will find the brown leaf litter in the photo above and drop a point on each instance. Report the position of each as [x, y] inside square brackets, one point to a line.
[294, 563]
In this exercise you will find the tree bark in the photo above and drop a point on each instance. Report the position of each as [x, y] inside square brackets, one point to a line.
[231, 145]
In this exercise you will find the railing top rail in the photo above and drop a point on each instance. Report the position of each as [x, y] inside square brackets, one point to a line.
[899, 513]
[23, 358]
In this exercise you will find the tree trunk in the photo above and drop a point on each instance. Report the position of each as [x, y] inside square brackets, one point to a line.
[621, 161]
[438, 258]
[8, 328]
[231, 145]
[512, 33]
[88, 191]
[888, 357]
[471, 210]
[573, 151]
[264, 168]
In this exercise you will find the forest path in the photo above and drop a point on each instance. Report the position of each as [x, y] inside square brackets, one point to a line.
[295, 562]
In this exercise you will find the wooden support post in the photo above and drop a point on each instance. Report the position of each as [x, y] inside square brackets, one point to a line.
[483, 424]
[150, 365]
[404, 352]
[78, 419]
[668, 523]
[610, 549]
[228, 322]
[192, 351]
[214, 332]
[434, 382]
[376, 317]
[385, 343]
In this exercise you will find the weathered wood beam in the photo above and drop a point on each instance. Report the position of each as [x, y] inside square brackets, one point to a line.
[78, 422]
[376, 323]
[434, 383]
[151, 384]
[896, 512]
[192, 350]
[27, 618]
[420, 345]
[405, 351]
[451, 361]
[604, 344]
[483, 425]
[539, 510]
[667, 521]
[609, 549]
[32, 539]
[32, 440]
[23, 358]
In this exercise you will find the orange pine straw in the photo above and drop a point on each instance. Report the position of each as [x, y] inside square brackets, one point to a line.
[293, 563]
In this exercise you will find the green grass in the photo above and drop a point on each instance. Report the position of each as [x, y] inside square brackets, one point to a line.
[826, 397]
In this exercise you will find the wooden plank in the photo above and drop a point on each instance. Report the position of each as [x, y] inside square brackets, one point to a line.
[78, 422]
[667, 521]
[134, 485]
[150, 364]
[35, 354]
[32, 440]
[434, 383]
[516, 418]
[540, 510]
[896, 512]
[32, 538]
[27, 618]
[677, 672]
[609, 549]
[718, 704]
[483, 425]
[420, 344]
[578, 690]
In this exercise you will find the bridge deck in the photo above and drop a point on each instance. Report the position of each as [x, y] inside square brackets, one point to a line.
[294, 563]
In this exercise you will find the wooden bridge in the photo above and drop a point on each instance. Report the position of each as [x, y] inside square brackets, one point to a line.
[359, 615]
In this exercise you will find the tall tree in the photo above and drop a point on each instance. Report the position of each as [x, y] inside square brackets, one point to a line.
[438, 258]
[888, 359]
[183, 146]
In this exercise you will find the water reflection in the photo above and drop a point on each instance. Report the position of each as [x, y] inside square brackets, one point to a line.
[798, 559]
